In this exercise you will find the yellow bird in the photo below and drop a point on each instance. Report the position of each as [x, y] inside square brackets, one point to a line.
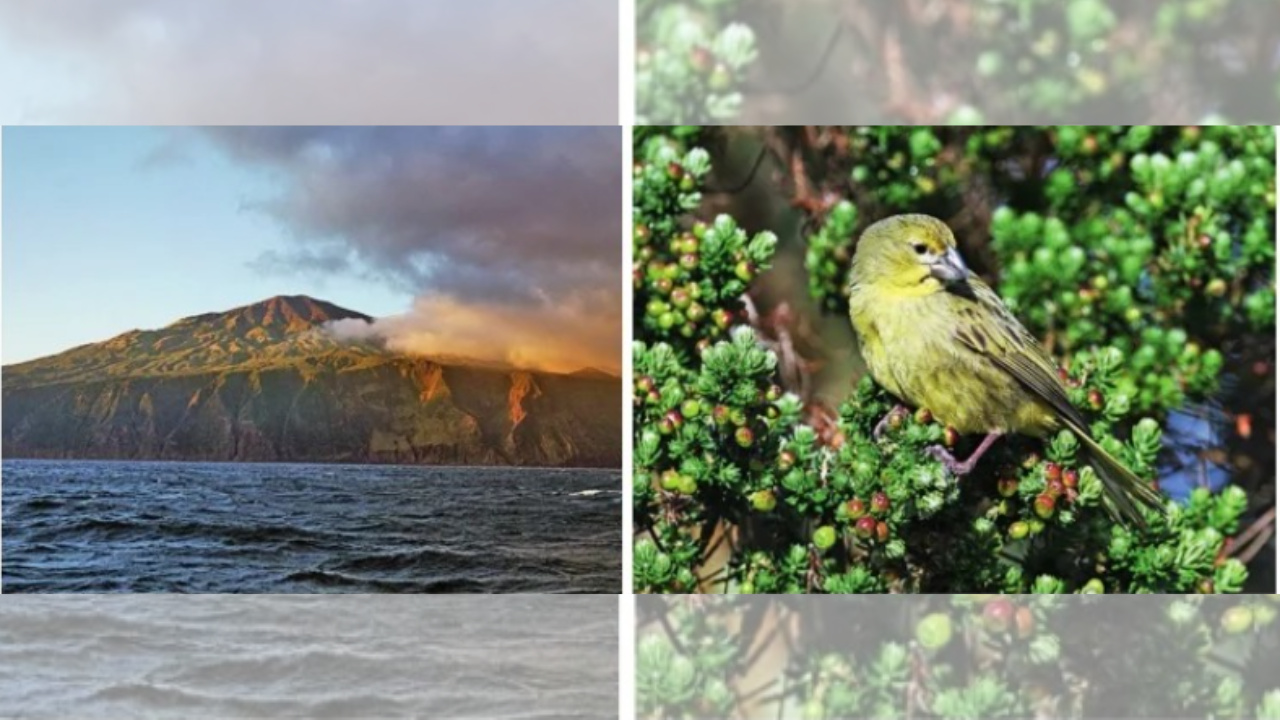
[937, 337]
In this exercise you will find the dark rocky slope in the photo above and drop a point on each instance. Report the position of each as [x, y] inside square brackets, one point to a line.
[267, 383]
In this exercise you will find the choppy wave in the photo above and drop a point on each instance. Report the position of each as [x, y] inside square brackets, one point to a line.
[232, 528]
[250, 656]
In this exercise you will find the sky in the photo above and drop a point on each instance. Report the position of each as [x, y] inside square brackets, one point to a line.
[501, 244]
[179, 62]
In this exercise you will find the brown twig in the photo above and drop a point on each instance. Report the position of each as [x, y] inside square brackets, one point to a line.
[1249, 543]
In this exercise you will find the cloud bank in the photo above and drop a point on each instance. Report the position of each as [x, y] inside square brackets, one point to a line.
[309, 61]
[508, 237]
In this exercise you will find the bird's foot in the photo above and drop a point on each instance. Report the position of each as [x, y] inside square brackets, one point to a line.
[899, 411]
[959, 468]
[956, 467]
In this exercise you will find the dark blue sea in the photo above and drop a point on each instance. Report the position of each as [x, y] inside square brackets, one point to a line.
[107, 527]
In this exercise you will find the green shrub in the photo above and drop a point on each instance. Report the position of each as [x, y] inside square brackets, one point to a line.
[725, 458]
[962, 656]
[690, 61]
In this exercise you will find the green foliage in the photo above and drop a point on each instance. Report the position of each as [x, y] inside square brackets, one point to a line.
[1050, 57]
[690, 61]
[1008, 61]
[693, 277]
[968, 656]
[721, 449]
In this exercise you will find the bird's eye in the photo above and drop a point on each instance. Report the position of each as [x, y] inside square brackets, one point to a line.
[920, 248]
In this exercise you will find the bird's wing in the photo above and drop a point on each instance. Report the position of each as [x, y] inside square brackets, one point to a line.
[985, 326]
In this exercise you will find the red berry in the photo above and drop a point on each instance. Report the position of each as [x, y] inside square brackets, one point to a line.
[950, 437]
[786, 460]
[701, 59]
[879, 503]
[882, 532]
[1007, 486]
[1025, 621]
[1044, 505]
[745, 270]
[923, 416]
[675, 417]
[856, 508]
[865, 527]
[720, 414]
[1095, 400]
[744, 437]
[722, 318]
[1071, 478]
[1056, 488]
[1062, 374]
[1052, 471]
[997, 615]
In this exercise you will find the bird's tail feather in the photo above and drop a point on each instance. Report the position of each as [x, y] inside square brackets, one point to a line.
[1124, 489]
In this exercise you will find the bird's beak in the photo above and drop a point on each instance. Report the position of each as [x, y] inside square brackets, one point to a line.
[950, 268]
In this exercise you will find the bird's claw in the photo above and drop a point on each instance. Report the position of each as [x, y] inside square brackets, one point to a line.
[957, 468]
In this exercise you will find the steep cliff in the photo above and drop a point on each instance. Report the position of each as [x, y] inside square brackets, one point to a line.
[267, 382]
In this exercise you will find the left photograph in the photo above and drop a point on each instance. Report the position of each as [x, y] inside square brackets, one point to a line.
[312, 360]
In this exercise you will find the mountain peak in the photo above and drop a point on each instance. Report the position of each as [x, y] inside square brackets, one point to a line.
[594, 373]
[288, 312]
[278, 331]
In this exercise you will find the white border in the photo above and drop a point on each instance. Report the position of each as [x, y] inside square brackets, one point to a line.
[2, 131]
[626, 601]
[626, 66]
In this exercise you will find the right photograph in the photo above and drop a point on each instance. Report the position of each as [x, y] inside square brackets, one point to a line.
[954, 360]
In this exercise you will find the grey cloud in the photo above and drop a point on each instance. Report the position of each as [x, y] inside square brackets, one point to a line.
[522, 214]
[327, 61]
[507, 236]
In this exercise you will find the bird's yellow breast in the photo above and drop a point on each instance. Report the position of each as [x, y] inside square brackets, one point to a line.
[910, 349]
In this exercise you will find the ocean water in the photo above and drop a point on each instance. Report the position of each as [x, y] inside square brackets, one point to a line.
[106, 527]
[314, 656]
